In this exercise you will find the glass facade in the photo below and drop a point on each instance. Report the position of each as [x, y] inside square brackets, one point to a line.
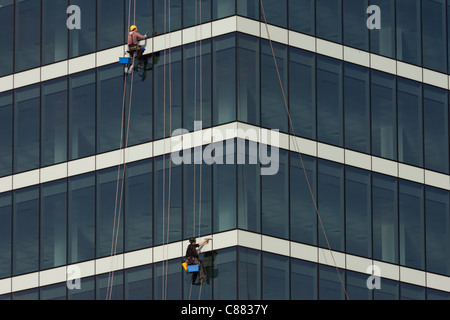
[90, 210]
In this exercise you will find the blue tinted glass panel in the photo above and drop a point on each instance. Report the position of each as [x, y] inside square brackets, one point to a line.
[167, 279]
[248, 187]
[167, 16]
[411, 228]
[197, 197]
[329, 20]
[196, 12]
[81, 115]
[435, 123]
[168, 96]
[110, 23]
[26, 128]
[302, 93]
[53, 292]
[357, 108]
[248, 79]
[224, 79]
[7, 50]
[411, 292]
[223, 8]
[410, 124]
[437, 214]
[303, 280]
[25, 230]
[409, 31]
[273, 105]
[275, 277]
[5, 234]
[275, 195]
[356, 34]
[389, 290]
[249, 274]
[275, 12]
[109, 108]
[382, 41]
[140, 15]
[358, 212]
[197, 84]
[83, 40]
[138, 205]
[357, 286]
[53, 224]
[329, 101]
[87, 291]
[81, 219]
[6, 133]
[224, 180]
[31, 294]
[109, 212]
[302, 16]
[248, 8]
[54, 39]
[384, 115]
[331, 283]
[224, 273]
[331, 203]
[109, 286]
[434, 28]
[54, 122]
[167, 200]
[138, 283]
[303, 184]
[437, 295]
[385, 218]
[27, 51]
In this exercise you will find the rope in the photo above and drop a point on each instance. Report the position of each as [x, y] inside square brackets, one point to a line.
[298, 150]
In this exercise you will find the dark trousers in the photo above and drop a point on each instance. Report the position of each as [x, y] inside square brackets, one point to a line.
[138, 50]
[193, 261]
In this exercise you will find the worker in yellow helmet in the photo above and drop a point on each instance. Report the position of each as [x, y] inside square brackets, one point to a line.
[133, 46]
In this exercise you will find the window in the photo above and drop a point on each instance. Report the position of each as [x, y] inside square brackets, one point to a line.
[225, 279]
[385, 218]
[437, 214]
[109, 286]
[273, 107]
[167, 273]
[411, 292]
[7, 36]
[249, 274]
[54, 39]
[141, 16]
[81, 115]
[302, 16]
[329, 101]
[275, 277]
[26, 128]
[196, 12]
[302, 92]
[389, 290]
[248, 79]
[384, 115]
[5, 234]
[53, 292]
[27, 51]
[303, 219]
[329, 20]
[83, 41]
[331, 203]
[138, 205]
[303, 280]
[54, 122]
[331, 283]
[354, 17]
[53, 224]
[357, 287]
[275, 12]
[223, 8]
[110, 23]
[81, 218]
[435, 122]
[224, 79]
[87, 291]
[170, 20]
[409, 31]
[139, 283]
[410, 128]
[248, 8]
[382, 41]
[358, 212]
[25, 230]
[411, 228]
[434, 27]
[6, 132]
[357, 107]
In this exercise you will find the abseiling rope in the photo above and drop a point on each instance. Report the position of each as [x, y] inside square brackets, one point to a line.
[298, 151]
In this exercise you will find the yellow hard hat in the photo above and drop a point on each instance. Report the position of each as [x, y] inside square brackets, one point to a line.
[133, 27]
